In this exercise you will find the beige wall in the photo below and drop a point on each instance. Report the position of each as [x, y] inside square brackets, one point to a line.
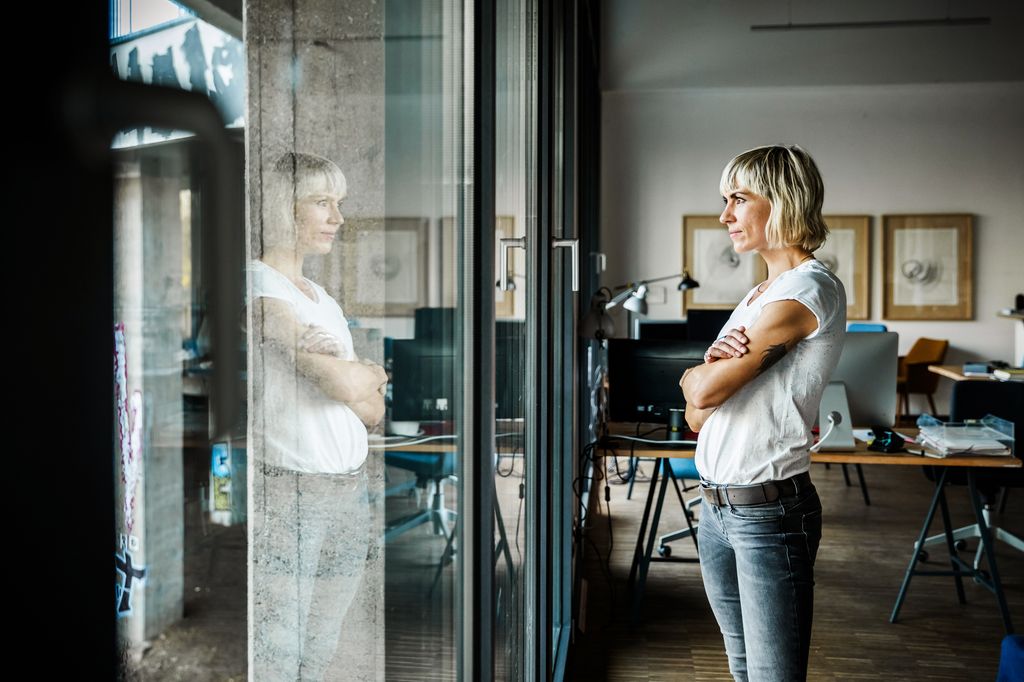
[882, 149]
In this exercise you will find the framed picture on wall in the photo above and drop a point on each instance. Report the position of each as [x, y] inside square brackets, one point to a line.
[847, 253]
[725, 276]
[386, 270]
[927, 261]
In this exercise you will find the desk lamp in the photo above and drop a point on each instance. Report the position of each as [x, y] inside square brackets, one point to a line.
[632, 296]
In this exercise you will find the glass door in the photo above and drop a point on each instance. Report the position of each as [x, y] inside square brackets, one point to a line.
[536, 261]
[515, 329]
[342, 514]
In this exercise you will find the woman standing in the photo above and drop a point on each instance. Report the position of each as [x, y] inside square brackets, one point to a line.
[313, 399]
[754, 401]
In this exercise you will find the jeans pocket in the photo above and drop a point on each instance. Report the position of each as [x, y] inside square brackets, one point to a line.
[768, 511]
[811, 524]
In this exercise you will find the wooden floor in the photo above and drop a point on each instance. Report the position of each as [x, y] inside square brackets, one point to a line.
[861, 562]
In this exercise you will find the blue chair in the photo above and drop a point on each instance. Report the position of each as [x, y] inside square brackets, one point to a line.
[431, 469]
[1011, 662]
[682, 470]
[866, 327]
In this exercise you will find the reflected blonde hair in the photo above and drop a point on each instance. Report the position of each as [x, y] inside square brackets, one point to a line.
[292, 176]
[788, 178]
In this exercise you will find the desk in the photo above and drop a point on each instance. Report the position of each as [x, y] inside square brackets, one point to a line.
[642, 553]
[955, 372]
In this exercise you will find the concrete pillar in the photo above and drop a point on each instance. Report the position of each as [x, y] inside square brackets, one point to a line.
[148, 310]
[316, 84]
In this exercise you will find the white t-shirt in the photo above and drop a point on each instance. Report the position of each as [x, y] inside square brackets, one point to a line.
[301, 428]
[763, 432]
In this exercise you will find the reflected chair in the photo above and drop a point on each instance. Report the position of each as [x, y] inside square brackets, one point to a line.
[432, 471]
[974, 400]
[912, 375]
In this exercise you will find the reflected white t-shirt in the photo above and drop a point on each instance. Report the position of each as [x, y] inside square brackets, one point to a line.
[301, 428]
[763, 431]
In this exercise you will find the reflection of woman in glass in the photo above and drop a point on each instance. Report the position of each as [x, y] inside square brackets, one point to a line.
[312, 402]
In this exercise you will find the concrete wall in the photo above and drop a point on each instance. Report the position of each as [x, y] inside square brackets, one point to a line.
[316, 84]
[148, 306]
[881, 149]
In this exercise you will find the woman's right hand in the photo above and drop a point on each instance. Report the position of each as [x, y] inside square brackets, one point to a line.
[732, 345]
[372, 377]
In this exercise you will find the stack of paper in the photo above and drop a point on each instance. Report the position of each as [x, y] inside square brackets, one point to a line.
[973, 440]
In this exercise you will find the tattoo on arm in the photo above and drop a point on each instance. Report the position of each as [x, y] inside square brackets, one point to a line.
[771, 355]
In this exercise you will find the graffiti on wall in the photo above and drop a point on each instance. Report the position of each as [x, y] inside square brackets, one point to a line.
[129, 427]
[192, 56]
[128, 575]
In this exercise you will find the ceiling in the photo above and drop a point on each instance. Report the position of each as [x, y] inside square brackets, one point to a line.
[672, 44]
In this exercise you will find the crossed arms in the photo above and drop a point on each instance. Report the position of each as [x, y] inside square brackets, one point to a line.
[735, 360]
[358, 384]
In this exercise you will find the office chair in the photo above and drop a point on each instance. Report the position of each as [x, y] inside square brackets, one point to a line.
[912, 375]
[682, 470]
[432, 470]
[866, 327]
[974, 400]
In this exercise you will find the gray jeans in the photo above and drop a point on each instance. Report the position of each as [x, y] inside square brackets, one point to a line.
[310, 541]
[757, 562]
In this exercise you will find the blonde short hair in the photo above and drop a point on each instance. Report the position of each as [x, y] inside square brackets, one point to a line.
[292, 176]
[788, 178]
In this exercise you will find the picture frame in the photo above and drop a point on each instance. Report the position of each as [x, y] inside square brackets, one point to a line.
[386, 272]
[928, 262]
[847, 253]
[725, 276]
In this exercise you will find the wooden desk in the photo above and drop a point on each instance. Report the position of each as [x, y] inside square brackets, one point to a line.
[955, 372]
[644, 549]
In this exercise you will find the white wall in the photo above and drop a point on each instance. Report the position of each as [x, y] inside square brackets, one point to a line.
[956, 148]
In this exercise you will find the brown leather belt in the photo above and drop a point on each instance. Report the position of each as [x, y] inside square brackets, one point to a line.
[758, 493]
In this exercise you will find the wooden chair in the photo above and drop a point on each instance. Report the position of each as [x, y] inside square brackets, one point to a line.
[912, 375]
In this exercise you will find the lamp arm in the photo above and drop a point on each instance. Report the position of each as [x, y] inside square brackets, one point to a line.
[629, 285]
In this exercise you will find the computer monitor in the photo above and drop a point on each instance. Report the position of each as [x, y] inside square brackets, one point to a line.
[509, 369]
[643, 377]
[672, 330]
[867, 368]
[434, 323]
[423, 373]
[423, 376]
[705, 325]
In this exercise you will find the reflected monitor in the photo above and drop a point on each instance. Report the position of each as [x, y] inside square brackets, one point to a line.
[423, 376]
[424, 372]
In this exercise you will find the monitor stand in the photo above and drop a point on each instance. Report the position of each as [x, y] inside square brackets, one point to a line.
[834, 400]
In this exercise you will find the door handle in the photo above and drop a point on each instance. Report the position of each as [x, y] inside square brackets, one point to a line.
[504, 246]
[574, 253]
